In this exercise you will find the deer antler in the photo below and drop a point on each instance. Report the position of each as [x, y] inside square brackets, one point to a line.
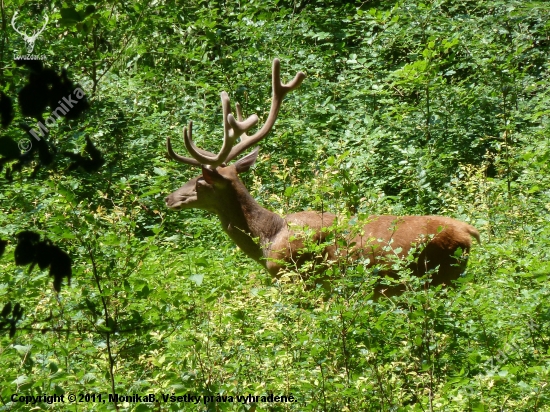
[35, 35]
[235, 128]
[232, 129]
[29, 39]
[280, 90]
[25, 36]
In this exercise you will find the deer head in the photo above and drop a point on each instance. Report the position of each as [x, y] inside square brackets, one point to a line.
[29, 39]
[207, 190]
[211, 190]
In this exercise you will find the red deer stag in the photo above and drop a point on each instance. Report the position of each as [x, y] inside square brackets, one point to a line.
[274, 241]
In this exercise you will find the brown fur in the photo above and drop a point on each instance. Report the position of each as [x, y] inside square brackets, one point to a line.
[276, 242]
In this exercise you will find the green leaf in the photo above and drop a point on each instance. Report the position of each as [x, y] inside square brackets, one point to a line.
[22, 349]
[197, 279]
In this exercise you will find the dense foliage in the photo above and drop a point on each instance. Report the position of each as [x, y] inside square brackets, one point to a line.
[439, 107]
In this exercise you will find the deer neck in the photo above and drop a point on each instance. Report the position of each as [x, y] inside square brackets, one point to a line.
[252, 227]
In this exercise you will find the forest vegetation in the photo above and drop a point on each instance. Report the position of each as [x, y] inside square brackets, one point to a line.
[408, 108]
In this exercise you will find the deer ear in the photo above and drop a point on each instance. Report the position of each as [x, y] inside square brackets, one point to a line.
[245, 163]
[209, 175]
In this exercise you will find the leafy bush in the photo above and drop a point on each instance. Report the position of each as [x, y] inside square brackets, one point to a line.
[408, 108]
